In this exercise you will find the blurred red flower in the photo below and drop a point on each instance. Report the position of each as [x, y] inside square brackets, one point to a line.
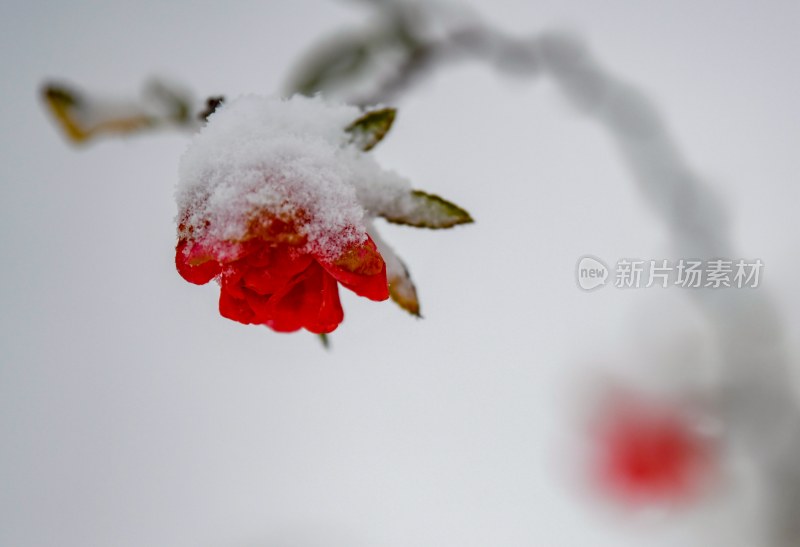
[650, 452]
[270, 278]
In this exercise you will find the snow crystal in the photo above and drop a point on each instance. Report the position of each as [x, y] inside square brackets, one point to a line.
[287, 157]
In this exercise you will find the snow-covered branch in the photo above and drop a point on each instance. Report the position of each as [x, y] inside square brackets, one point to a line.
[758, 402]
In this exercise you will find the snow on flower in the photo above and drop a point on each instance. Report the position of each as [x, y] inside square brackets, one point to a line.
[276, 199]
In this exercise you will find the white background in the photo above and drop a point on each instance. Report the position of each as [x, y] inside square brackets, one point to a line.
[132, 414]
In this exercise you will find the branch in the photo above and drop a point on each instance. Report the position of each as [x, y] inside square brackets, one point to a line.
[758, 402]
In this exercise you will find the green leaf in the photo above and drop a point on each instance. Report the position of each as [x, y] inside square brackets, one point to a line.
[331, 63]
[424, 210]
[358, 55]
[369, 129]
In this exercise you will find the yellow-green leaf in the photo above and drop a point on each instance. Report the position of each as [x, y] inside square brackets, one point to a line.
[369, 129]
[424, 210]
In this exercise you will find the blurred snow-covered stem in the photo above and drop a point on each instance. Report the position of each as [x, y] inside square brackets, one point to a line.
[759, 408]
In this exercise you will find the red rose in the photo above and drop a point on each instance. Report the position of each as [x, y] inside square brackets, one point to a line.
[276, 200]
[270, 279]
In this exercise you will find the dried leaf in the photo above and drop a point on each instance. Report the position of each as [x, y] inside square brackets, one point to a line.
[63, 103]
[212, 103]
[401, 288]
[83, 118]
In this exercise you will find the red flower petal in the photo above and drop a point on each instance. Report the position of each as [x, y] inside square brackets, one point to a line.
[330, 311]
[235, 308]
[193, 266]
[310, 301]
[271, 269]
[231, 280]
[362, 270]
[272, 283]
[323, 310]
